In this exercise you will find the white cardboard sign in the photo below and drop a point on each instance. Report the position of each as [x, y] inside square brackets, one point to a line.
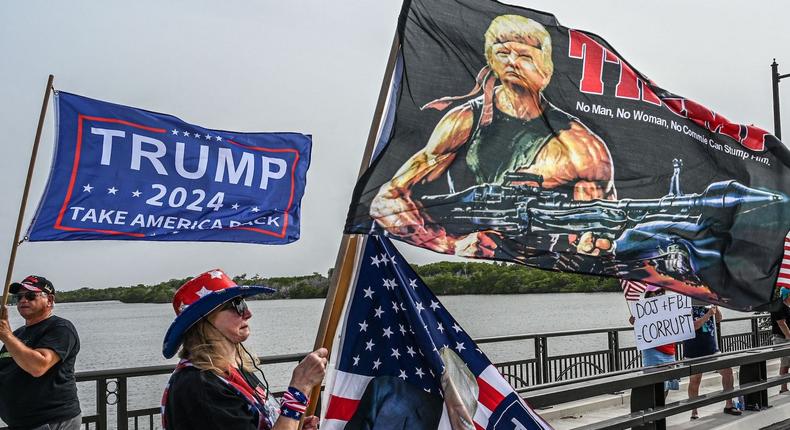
[661, 320]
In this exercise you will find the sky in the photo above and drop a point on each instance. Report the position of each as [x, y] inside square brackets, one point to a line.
[315, 67]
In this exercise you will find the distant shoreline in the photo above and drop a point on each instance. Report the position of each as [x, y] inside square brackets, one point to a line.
[444, 278]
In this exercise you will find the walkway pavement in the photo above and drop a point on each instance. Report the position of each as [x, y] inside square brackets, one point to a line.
[589, 411]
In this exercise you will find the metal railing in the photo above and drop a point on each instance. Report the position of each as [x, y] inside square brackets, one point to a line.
[648, 408]
[111, 388]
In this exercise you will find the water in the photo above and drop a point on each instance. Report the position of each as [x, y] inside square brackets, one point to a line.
[118, 335]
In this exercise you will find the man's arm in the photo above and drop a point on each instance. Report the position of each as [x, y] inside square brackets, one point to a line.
[36, 362]
[579, 158]
[703, 319]
[393, 207]
[783, 326]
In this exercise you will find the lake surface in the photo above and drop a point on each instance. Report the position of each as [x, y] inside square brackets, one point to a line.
[118, 335]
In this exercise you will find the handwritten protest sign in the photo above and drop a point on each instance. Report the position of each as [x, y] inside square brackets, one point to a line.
[661, 320]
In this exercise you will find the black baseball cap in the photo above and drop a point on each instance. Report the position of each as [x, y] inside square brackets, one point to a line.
[33, 283]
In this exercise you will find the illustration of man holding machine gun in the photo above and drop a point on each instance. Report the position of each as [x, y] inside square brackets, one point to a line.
[510, 129]
[529, 182]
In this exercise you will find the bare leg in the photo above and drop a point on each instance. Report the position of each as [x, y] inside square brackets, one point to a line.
[727, 383]
[694, 381]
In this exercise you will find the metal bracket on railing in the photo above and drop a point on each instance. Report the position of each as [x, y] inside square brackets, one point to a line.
[111, 393]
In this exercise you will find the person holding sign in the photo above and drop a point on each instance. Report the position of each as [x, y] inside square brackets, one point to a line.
[780, 333]
[703, 344]
[661, 354]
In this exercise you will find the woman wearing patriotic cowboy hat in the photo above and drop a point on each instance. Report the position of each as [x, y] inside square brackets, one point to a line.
[213, 386]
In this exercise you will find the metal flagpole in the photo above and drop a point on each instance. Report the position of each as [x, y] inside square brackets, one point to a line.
[25, 193]
[346, 264]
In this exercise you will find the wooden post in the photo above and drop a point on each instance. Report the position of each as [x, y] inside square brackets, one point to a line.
[15, 243]
[345, 264]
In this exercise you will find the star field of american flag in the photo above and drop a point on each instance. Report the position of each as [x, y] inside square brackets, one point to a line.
[395, 326]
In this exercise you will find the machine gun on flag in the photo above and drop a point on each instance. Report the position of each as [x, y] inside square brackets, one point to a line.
[523, 206]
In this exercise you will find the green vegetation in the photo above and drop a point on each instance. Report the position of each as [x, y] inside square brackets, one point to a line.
[443, 278]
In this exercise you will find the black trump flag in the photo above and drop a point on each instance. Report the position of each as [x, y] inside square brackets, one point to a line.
[511, 137]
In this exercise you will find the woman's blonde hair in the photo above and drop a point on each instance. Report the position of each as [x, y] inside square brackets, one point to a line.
[202, 348]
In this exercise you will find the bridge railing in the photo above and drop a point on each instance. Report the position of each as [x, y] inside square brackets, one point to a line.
[543, 367]
[109, 404]
[648, 408]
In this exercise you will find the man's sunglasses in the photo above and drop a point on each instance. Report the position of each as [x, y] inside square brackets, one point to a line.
[238, 304]
[29, 295]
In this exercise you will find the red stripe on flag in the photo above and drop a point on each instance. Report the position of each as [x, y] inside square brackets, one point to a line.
[478, 427]
[489, 396]
[341, 408]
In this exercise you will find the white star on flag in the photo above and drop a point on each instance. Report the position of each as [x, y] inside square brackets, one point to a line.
[136, 193]
[218, 139]
[87, 188]
[186, 134]
[216, 274]
[175, 132]
[197, 136]
[207, 137]
[363, 326]
[235, 206]
[401, 355]
[112, 190]
[255, 209]
[202, 291]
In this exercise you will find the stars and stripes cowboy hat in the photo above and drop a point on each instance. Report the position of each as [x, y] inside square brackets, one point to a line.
[197, 298]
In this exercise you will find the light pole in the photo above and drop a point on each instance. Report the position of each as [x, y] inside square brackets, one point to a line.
[775, 78]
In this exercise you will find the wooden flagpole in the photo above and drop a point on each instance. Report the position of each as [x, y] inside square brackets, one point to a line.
[346, 264]
[15, 244]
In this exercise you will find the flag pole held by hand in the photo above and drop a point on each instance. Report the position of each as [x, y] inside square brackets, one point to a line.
[26, 191]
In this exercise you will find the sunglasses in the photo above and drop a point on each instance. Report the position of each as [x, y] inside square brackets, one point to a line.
[238, 304]
[29, 295]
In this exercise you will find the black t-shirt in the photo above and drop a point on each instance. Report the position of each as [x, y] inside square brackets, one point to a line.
[781, 314]
[26, 401]
[199, 400]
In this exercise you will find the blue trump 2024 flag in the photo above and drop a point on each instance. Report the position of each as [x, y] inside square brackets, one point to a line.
[405, 362]
[129, 174]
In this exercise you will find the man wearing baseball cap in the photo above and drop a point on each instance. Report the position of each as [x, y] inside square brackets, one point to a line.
[37, 386]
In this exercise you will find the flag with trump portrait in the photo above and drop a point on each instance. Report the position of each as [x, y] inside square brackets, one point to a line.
[512, 137]
[405, 362]
[124, 173]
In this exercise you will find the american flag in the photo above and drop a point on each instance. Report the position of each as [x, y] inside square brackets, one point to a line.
[784, 270]
[396, 327]
[634, 290]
